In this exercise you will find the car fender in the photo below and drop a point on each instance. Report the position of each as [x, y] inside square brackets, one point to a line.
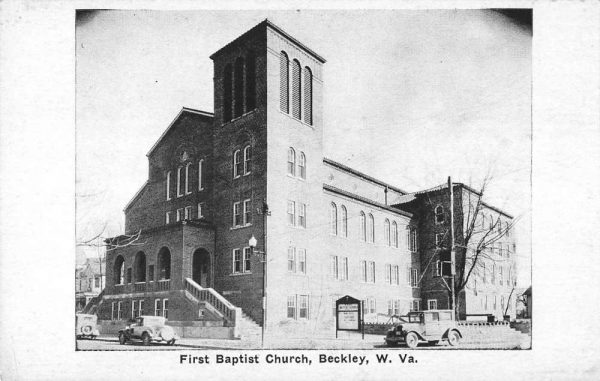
[445, 335]
[419, 335]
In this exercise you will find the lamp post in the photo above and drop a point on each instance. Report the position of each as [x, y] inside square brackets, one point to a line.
[252, 243]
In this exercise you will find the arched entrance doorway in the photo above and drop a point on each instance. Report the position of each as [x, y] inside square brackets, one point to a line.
[201, 267]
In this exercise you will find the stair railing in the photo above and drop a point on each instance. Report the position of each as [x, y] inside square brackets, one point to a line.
[230, 312]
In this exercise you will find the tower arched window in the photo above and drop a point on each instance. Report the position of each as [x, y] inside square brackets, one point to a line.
[238, 90]
[371, 228]
[302, 165]
[119, 271]
[308, 95]
[386, 232]
[164, 264]
[439, 214]
[187, 178]
[237, 163]
[344, 221]
[363, 226]
[333, 219]
[247, 160]
[227, 91]
[291, 162]
[139, 266]
[296, 89]
[394, 234]
[284, 74]
[250, 81]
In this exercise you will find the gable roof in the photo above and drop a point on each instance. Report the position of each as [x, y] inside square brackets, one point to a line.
[181, 112]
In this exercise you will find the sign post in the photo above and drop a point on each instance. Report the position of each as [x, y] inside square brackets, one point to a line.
[349, 315]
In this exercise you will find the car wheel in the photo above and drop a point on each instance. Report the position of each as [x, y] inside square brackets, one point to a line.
[412, 340]
[453, 338]
[145, 339]
[86, 330]
[122, 339]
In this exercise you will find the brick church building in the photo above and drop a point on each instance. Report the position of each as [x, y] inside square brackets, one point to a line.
[255, 169]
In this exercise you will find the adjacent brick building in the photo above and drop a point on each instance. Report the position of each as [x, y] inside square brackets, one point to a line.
[255, 168]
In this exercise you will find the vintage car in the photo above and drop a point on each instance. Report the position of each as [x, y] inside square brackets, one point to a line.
[430, 326]
[85, 326]
[148, 329]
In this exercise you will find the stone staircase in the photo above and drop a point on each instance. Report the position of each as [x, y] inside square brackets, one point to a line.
[249, 329]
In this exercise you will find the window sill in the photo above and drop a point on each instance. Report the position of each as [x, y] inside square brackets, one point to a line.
[240, 227]
[241, 274]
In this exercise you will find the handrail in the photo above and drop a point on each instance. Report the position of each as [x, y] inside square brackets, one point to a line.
[209, 295]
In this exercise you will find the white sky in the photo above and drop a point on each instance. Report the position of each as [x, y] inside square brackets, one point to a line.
[410, 97]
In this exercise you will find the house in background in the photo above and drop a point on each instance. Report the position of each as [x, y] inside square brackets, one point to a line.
[89, 281]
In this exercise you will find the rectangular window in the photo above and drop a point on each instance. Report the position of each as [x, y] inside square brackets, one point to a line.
[372, 306]
[187, 177]
[302, 261]
[247, 160]
[200, 182]
[414, 281]
[166, 308]
[187, 215]
[292, 259]
[237, 214]
[390, 307]
[388, 274]
[200, 210]
[168, 185]
[247, 212]
[291, 307]
[395, 274]
[247, 253]
[179, 216]
[151, 273]
[432, 304]
[413, 239]
[134, 309]
[168, 218]
[301, 214]
[303, 307]
[179, 179]
[397, 307]
[119, 310]
[113, 310]
[291, 213]
[371, 272]
[237, 261]
[157, 309]
[97, 282]
[363, 271]
[334, 267]
[344, 268]
[416, 305]
[141, 307]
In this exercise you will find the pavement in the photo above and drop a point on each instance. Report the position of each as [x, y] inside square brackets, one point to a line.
[111, 343]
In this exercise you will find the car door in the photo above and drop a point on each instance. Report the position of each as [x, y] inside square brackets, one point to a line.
[432, 326]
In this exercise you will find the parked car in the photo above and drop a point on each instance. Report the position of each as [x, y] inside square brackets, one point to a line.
[430, 326]
[148, 329]
[85, 326]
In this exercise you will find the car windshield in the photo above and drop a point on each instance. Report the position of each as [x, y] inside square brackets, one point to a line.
[414, 318]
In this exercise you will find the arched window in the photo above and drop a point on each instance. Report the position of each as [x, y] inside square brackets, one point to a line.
[307, 96]
[296, 88]
[333, 219]
[302, 165]
[164, 264]
[247, 160]
[237, 163]
[284, 73]
[187, 178]
[386, 232]
[238, 89]
[250, 81]
[371, 228]
[119, 271]
[344, 218]
[291, 168]
[168, 185]
[139, 266]
[394, 234]
[363, 226]
[439, 214]
[227, 89]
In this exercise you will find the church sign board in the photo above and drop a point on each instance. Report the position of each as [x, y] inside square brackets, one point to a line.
[348, 311]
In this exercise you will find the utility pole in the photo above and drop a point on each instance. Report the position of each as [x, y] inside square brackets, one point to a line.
[452, 253]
